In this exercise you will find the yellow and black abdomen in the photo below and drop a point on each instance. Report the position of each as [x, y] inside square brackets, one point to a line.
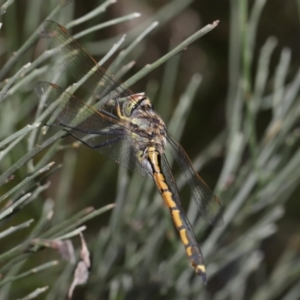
[165, 183]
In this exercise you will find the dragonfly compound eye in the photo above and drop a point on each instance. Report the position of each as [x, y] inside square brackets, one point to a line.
[129, 108]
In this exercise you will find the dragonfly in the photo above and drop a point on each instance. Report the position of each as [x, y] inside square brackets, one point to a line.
[127, 129]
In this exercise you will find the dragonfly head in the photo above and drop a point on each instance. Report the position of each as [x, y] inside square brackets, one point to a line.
[137, 102]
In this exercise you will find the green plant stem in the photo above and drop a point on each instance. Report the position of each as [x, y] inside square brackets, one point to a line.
[71, 234]
[64, 187]
[12, 80]
[58, 228]
[19, 133]
[13, 229]
[150, 67]
[12, 207]
[30, 272]
[25, 181]
[25, 80]
[10, 63]
[28, 156]
[117, 62]
[35, 293]
[107, 24]
[5, 6]
[94, 13]
[84, 219]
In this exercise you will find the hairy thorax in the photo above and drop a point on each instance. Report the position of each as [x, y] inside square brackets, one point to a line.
[146, 127]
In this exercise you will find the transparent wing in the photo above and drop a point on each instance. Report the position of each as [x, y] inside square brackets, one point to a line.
[209, 205]
[80, 63]
[96, 129]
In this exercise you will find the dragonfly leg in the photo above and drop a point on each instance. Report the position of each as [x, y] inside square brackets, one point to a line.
[112, 130]
[109, 142]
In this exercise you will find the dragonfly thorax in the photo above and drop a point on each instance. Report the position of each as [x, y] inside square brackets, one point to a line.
[146, 126]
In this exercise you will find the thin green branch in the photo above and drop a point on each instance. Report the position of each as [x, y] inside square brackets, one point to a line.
[165, 13]
[167, 85]
[30, 272]
[29, 155]
[64, 188]
[71, 234]
[5, 6]
[13, 229]
[25, 181]
[90, 216]
[107, 24]
[252, 26]
[25, 80]
[150, 67]
[19, 133]
[234, 71]
[184, 106]
[17, 54]
[92, 14]
[44, 220]
[13, 206]
[117, 62]
[35, 293]
[56, 229]
[279, 82]
[13, 79]
[9, 147]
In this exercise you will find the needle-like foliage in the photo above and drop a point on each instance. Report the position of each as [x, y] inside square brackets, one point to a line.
[53, 189]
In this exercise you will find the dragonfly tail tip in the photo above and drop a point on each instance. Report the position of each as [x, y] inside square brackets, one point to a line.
[201, 271]
[204, 279]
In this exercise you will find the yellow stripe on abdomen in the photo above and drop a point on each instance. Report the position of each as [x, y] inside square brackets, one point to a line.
[191, 246]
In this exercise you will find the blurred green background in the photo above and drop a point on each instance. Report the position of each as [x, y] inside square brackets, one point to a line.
[231, 98]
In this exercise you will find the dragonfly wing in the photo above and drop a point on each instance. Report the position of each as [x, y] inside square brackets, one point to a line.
[96, 129]
[209, 205]
[80, 63]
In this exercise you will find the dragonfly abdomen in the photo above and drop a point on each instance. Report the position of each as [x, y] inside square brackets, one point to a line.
[179, 218]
